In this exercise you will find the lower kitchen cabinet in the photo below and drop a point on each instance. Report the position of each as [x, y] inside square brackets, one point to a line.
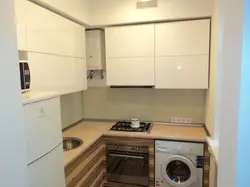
[213, 172]
[57, 73]
[88, 169]
[206, 166]
[136, 162]
[182, 72]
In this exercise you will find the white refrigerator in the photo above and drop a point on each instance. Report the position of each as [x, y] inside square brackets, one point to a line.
[42, 117]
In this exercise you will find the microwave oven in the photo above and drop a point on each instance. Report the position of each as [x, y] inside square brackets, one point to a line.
[24, 75]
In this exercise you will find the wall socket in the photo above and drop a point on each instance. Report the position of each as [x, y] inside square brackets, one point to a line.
[181, 120]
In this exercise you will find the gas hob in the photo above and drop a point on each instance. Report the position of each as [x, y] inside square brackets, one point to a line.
[125, 126]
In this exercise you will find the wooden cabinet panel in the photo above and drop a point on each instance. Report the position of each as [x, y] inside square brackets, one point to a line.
[213, 172]
[182, 72]
[50, 33]
[182, 38]
[130, 41]
[56, 73]
[130, 71]
[89, 168]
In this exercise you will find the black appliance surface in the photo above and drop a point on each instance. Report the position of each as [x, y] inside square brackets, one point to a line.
[24, 75]
[126, 127]
[128, 164]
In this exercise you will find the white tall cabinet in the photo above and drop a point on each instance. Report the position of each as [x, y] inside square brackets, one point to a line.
[20, 9]
[182, 54]
[56, 49]
[130, 55]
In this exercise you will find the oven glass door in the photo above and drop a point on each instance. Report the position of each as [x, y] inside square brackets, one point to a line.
[128, 168]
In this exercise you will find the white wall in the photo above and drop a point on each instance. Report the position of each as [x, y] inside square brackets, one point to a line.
[234, 95]
[109, 12]
[211, 92]
[13, 152]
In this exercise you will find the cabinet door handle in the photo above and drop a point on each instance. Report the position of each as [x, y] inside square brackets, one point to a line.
[126, 156]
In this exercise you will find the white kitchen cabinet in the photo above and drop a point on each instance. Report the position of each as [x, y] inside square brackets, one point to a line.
[130, 72]
[182, 72]
[130, 55]
[182, 38]
[57, 73]
[50, 33]
[182, 54]
[20, 9]
[130, 41]
[95, 42]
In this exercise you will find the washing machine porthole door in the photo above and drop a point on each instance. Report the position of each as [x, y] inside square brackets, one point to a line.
[178, 171]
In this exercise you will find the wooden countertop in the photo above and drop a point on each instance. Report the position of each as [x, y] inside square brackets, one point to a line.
[90, 131]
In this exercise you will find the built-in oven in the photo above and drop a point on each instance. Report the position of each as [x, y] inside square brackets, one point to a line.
[128, 164]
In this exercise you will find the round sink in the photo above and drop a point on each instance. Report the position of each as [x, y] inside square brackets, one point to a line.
[71, 143]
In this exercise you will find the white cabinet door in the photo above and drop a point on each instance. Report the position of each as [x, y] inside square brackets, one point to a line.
[95, 42]
[20, 10]
[48, 171]
[182, 38]
[42, 118]
[56, 73]
[130, 41]
[182, 72]
[50, 33]
[130, 71]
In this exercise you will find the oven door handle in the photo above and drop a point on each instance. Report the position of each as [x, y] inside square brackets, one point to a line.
[126, 156]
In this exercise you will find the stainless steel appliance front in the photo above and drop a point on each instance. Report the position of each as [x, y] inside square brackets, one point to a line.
[128, 164]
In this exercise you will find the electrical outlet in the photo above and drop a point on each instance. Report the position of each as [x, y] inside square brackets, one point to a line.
[186, 120]
[189, 120]
[175, 120]
[181, 120]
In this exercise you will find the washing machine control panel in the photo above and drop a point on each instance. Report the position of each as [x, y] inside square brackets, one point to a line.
[199, 162]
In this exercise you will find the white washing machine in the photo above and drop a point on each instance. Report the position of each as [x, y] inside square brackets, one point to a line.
[178, 164]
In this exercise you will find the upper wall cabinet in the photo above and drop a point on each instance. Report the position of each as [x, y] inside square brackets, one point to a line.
[57, 73]
[182, 55]
[130, 55]
[130, 72]
[182, 38]
[20, 9]
[50, 33]
[182, 72]
[130, 41]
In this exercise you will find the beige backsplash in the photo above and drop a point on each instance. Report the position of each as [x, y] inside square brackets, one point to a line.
[71, 108]
[145, 104]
